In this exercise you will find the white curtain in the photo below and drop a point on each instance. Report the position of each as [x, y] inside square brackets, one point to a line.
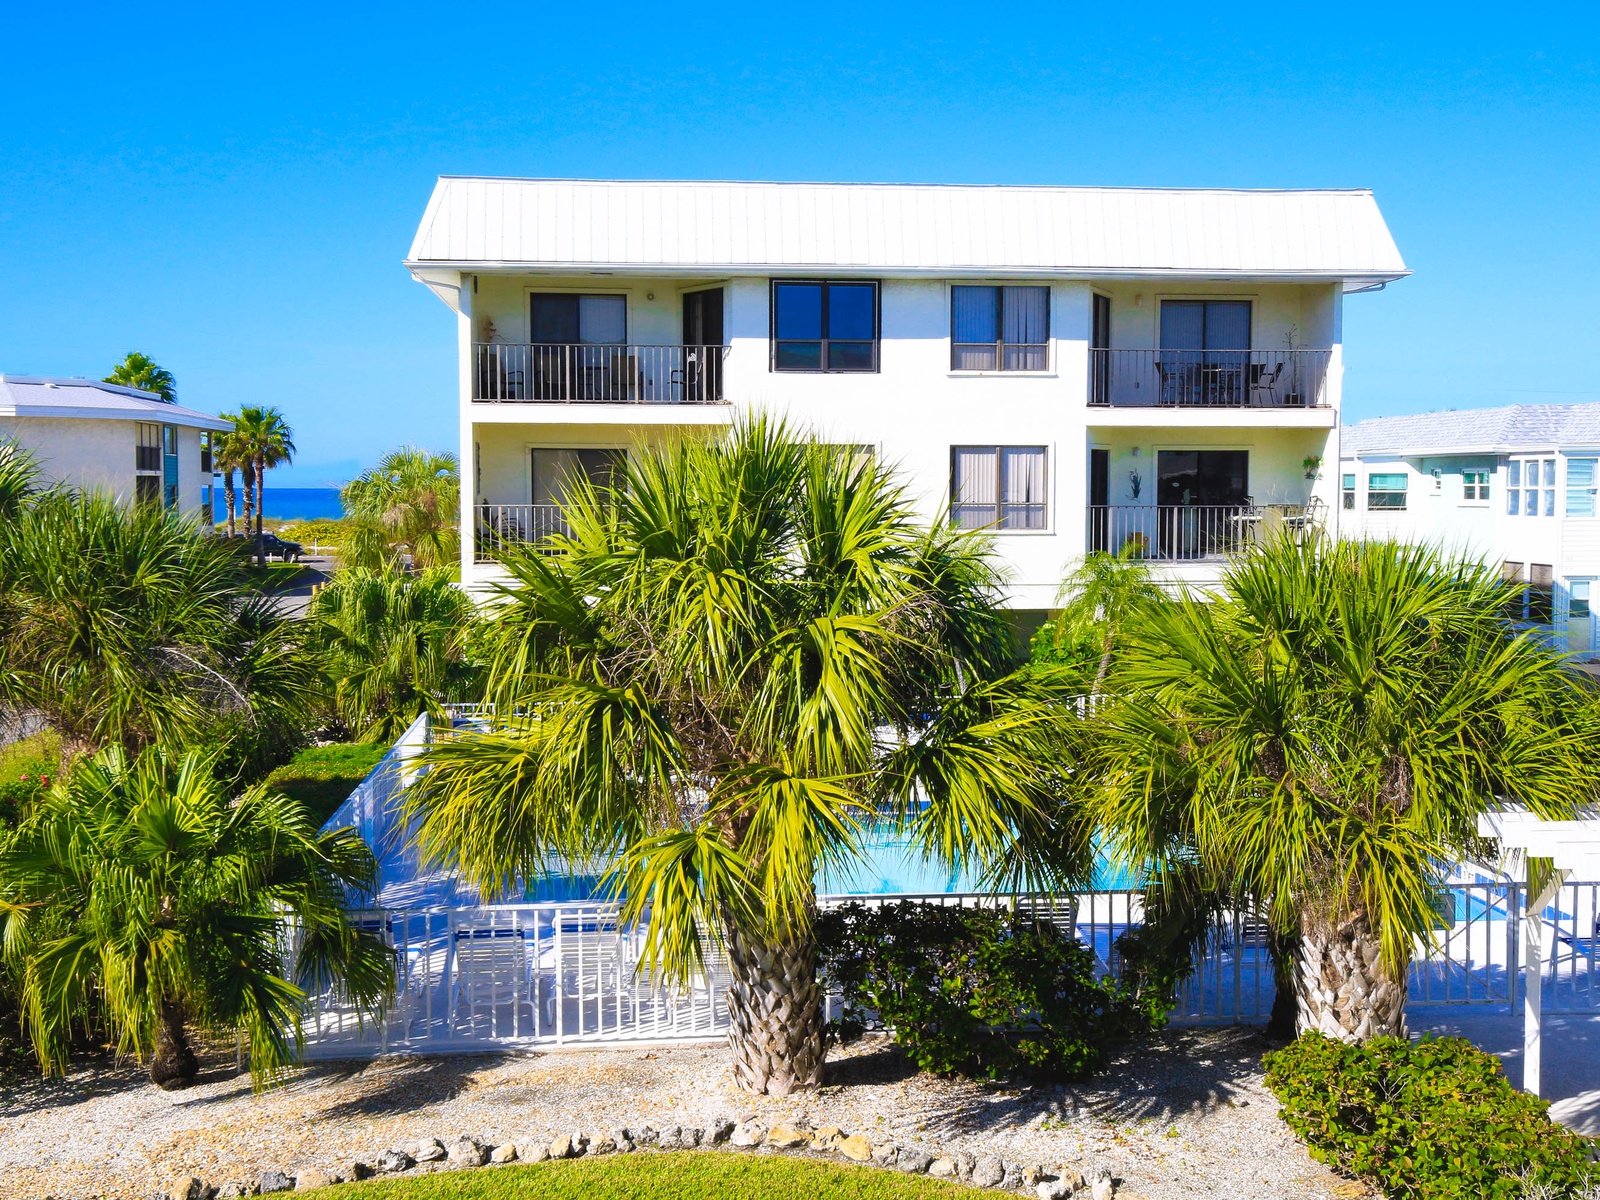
[974, 488]
[1026, 316]
[1024, 487]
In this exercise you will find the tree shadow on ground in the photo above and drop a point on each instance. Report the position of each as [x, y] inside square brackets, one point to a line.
[1152, 1079]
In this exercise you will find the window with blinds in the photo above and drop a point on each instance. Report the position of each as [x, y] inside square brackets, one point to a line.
[998, 487]
[1581, 484]
[999, 328]
[1386, 490]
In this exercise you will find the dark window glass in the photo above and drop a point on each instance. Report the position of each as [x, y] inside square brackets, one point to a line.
[799, 310]
[799, 356]
[825, 326]
[554, 320]
[147, 489]
[850, 312]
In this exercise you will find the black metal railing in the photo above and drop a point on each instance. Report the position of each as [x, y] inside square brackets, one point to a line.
[607, 374]
[1189, 532]
[498, 525]
[1208, 378]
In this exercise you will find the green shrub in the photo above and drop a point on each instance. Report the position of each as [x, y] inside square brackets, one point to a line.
[971, 991]
[321, 777]
[1426, 1119]
[26, 769]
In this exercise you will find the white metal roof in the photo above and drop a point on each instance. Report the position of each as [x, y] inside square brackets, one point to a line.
[689, 227]
[27, 396]
[1505, 430]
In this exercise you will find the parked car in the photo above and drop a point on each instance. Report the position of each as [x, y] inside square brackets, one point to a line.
[276, 547]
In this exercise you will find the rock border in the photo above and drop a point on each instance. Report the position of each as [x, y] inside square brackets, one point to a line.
[801, 1138]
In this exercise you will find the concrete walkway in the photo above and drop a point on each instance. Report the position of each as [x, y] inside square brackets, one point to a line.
[1571, 1056]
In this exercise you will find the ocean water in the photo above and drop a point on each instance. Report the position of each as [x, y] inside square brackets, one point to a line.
[297, 504]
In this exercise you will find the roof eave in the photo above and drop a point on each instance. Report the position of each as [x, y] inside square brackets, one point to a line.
[1353, 282]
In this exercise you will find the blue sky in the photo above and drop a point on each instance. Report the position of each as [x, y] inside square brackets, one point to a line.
[233, 193]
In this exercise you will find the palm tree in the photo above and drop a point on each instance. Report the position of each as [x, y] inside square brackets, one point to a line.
[391, 644]
[228, 457]
[747, 658]
[142, 890]
[1323, 737]
[265, 440]
[408, 504]
[1099, 598]
[140, 371]
[126, 625]
[19, 474]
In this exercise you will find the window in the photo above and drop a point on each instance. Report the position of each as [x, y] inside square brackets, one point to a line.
[147, 489]
[1386, 490]
[556, 471]
[1348, 491]
[824, 326]
[205, 453]
[1541, 593]
[1474, 485]
[1578, 600]
[147, 456]
[999, 328]
[567, 319]
[1531, 487]
[997, 487]
[1581, 484]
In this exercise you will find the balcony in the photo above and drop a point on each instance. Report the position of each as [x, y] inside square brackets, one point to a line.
[499, 525]
[1193, 533]
[597, 374]
[1272, 379]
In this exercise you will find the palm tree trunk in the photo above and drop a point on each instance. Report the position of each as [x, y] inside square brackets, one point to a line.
[1343, 990]
[174, 1065]
[249, 496]
[261, 508]
[228, 493]
[775, 1016]
[1283, 948]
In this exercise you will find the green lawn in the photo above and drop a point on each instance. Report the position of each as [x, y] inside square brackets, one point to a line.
[322, 776]
[646, 1175]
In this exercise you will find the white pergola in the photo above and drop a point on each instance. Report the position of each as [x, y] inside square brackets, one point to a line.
[1574, 849]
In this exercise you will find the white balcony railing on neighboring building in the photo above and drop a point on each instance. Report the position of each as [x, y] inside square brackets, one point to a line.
[1208, 378]
[603, 374]
[498, 525]
[1188, 533]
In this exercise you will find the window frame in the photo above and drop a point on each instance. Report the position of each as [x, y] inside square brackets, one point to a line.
[1402, 491]
[1591, 490]
[823, 341]
[1539, 470]
[148, 456]
[1476, 485]
[1347, 491]
[996, 526]
[1000, 345]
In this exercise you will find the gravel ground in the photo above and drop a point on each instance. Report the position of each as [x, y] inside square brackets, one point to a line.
[1184, 1114]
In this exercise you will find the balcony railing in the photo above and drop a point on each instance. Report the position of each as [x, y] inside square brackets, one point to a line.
[584, 374]
[1188, 533]
[499, 525]
[1208, 378]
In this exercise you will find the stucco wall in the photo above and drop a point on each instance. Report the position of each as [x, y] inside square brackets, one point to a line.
[98, 455]
[915, 408]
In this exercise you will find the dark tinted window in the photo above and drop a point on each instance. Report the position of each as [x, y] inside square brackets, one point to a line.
[825, 326]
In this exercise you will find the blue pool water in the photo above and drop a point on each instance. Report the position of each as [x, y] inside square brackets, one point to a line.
[889, 868]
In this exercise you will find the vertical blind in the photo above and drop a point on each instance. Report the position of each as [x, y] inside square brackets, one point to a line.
[999, 328]
[1000, 487]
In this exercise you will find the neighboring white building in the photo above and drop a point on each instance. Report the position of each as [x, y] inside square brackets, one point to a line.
[99, 436]
[1514, 485]
[1075, 368]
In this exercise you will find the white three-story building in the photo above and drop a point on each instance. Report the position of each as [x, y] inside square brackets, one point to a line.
[1071, 368]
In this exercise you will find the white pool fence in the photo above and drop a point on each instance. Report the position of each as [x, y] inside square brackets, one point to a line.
[557, 974]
